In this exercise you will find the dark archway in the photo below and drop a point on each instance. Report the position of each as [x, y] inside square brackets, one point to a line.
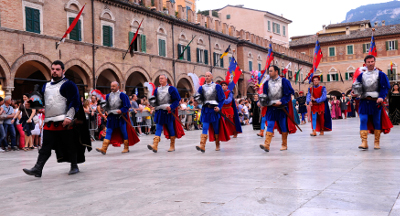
[104, 80]
[136, 81]
[27, 76]
[335, 93]
[77, 74]
[185, 88]
[250, 92]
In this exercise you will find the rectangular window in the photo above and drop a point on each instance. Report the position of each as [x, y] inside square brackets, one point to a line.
[259, 66]
[135, 43]
[391, 45]
[278, 28]
[200, 55]
[273, 28]
[206, 57]
[392, 74]
[221, 61]
[76, 33]
[284, 30]
[366, 47]
[139, 43]
[143, 43]
[161, 48]
[334, 77]
[107, 36]
[269, 25]
[187, 12]
[32, 19]
[350, 50]
[332, 51]
[250, 66]
[228, 16]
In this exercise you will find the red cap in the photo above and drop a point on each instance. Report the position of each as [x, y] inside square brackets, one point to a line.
[317, 76]
[301, 92]
[224, 82]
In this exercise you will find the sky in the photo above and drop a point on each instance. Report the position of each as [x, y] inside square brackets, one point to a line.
[307, 16]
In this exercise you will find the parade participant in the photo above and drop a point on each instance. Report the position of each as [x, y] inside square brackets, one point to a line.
[118, 131]
[301, 101]
[278, 91]
[212, 96]
[295, 113]
[373, 86]
[166, 100]
[61, 130]
[321, 119]
[230, 110]
[255, 113]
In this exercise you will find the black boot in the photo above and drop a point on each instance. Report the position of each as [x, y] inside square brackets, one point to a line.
[74, 169]
[37, 169]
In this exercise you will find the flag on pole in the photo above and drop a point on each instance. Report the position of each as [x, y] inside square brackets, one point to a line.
[287, 68]
[372, 47]
[130, 48]
[231, 70]
[268, 62]
[235, 79]
[226, 52]
[341, 78]
[71, 27]
[181, 55]
[317, 58]
[296, 76]
[391, 70]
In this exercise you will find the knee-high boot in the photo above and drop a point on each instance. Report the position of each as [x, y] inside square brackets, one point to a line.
[377, 138]
[126, 147]
[103, 149]
[37, 169]
[267, 142]
[154, 147]
[217, 148]
[203, 140]
[172, 144]
[284, 141]
[364, 137]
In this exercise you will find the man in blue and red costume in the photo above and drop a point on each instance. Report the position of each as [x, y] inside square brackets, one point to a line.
[212, 97]
[229, 109]
[373, 86]
[166, 100]
[60, 131]
[321, 119]
[278, 91]
[301, 101]
[118, 131]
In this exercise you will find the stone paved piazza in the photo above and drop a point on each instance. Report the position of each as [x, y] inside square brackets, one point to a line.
[317, 176]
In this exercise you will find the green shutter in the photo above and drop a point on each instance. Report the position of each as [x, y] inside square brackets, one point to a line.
[337, 77]
[221, 62]
[29, 19]
[206, 57]
[164, 47]
[284, 30]
[388, 73]
[143, 39]
[130, 37]
[197, 55]
[111, 36]
[396, 44]
[273, 27]
[36, 21]
[215, 59]
[322, 78]
[364, 48]
[269, 25]
[259, 67]
[159, 47]
[106, 36]
[387, 45]
[189, 58]
[75, 34]
[228, 16]
[328, 77]
[250, 66]
[347, 76]
[180, 56]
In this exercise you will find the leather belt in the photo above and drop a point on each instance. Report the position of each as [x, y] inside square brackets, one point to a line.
[211, 106]
[370, 98]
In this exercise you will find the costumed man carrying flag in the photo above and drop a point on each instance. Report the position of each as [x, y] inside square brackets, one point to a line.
[230, 110]
[373, 86]
[166, 101]
[280, 108]
[118, 131]
[65, 128]
[212, 97]
[301, 101]
[320, 115]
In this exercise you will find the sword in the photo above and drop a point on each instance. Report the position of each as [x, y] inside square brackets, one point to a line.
[176, 117]
[128, 122]
[289, 116]
[226, 118]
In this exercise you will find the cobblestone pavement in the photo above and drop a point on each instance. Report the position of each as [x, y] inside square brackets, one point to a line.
[323, 175]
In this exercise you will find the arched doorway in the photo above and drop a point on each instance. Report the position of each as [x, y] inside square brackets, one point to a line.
[77, 75]
[135, 81]
[335, 93]
[185, 88]
[27, 76]
[104, 80]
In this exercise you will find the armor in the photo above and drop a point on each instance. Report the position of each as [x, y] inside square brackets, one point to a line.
[56, 104]
[210, 94]
[357, 88]
[163, 98]
[114, 103]
[153, 101]
[274, 91]
[198, 98]
[370, 84]
[263, 99]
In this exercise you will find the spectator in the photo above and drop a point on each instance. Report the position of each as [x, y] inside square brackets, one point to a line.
[3, 116]
[147, 118]
[92, 116]
[134, 108]
[37, 130]
[343, 105]
[18, 126]
[26, 121]
[102, 134]
[8, 123]
[246, 112]
[139, 120]
[394, 104]
[183, 107]
[86, 109]
[189, 120]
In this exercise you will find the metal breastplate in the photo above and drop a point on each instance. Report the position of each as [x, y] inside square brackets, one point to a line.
[370, 82]
[163, 98]
[55, 103]
[210, 94]
[274, 91]
[114, 102]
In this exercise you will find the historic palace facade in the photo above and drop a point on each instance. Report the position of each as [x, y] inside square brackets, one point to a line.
[29, 30]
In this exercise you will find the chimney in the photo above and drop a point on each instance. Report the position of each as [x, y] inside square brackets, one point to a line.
[323, 28]
[362, 27]
[376, 24]
[383, 22]
[348, 30]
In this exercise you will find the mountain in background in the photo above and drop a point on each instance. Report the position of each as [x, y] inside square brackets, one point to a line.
[389, 11]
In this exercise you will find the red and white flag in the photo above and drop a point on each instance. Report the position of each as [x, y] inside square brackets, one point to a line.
[287, 68]
[71, 27]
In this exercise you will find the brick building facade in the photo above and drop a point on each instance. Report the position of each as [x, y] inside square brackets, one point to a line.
[345, 46]
[93, 51]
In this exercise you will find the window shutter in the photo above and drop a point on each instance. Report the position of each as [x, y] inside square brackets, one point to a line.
[74, 34]
[189, 57]
[215, 59]
[337, 77]
[106, 36]
[130, 37]
[164, 48]
[387, 45]
[347, 76]
[328, 77]
[206, 57]
[395, 44]
[79, 25]
[250, 66]
[259, 67]
[388, 73]
[28, 19]
[364, 48]
[179, 52]
[222, 62]
[197, 55]
[273, 27]
[159, 47]
[111, 36]
[36, 21]
[143, 38]
[322, 78]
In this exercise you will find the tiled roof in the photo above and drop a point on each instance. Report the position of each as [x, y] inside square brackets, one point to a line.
[355, 34]
[348, 24]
